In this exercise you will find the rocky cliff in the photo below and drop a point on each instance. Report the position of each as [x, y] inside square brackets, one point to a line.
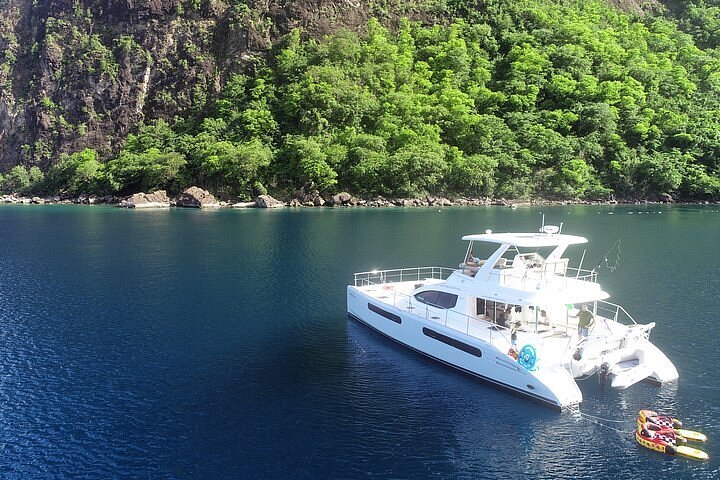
[83, 73]
[77, 73]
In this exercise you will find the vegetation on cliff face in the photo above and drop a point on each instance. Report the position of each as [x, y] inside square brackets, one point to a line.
[568, 100]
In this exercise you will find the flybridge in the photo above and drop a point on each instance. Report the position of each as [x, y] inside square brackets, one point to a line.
[527, 240]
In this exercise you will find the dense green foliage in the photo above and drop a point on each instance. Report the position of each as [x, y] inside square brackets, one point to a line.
[537, 98]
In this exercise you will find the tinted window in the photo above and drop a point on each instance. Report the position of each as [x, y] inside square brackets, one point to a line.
[384, 313]
[437, 298]
[452, 342]
[480, 304]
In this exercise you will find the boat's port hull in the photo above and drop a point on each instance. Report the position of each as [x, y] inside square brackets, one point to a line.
[472, 356]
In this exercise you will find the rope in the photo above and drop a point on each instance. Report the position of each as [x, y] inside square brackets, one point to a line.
[604, 259]
[603, 419]
[624, 432]
[614, 267]
[594, 419]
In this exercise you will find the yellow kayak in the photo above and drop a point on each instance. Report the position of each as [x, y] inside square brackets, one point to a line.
[691, 435]
[690, 452]
[665, 440]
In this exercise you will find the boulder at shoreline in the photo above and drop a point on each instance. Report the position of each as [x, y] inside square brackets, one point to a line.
[196, 197]
[158, 199]
[266, 201]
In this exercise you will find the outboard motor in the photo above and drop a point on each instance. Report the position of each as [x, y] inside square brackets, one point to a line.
[603, 374]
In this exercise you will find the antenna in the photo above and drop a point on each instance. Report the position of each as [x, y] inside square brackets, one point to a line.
[542, 227]
[581, 262]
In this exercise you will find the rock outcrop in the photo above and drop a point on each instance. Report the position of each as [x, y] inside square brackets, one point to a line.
[266, 201]
[342, 198]
[158, 199]
[196, 197]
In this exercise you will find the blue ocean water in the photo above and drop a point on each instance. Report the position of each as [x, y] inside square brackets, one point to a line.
[181, 344]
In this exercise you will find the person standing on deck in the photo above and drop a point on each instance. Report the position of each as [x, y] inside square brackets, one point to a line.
[513, 335]
[586, 320]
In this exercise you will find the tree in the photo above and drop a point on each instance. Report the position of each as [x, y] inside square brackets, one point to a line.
[78, 173]
[17, 180]
[235, 167]
[147, 171]
[660, 172]
[473, 175]
[417, 167]
[307, 163]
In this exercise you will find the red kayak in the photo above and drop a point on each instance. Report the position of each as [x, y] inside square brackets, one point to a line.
[661, 420]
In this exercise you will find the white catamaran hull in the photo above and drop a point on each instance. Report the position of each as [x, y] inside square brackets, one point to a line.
[555, 388]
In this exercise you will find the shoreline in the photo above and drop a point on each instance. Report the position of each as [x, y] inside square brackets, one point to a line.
[346, 201]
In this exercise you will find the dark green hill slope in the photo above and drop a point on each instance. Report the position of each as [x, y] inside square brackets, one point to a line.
[575, 99]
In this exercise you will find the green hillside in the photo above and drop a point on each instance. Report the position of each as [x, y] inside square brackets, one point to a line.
[509, 99]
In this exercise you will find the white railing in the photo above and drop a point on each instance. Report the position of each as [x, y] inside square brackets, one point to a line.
[556, 273]
[614, 312]
[582, 274]
[416, 274]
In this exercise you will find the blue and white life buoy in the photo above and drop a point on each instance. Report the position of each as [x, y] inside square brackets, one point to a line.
[527, 357]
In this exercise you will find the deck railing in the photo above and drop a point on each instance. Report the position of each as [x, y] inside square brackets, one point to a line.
[414, 274]
[603, 308]
[447, 317]
[556, 273]
[582, 274]
[614, 312]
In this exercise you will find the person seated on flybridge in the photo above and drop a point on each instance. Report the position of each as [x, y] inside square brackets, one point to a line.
[471, 264]
[472, 260]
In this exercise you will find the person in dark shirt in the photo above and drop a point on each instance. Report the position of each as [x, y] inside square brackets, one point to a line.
[586, 320]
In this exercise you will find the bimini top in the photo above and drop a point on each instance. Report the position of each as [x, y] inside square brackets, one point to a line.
[528, 240]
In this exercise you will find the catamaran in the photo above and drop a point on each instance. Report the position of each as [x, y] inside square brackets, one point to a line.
[516, 319]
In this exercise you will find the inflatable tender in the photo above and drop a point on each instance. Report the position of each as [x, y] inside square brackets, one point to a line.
[665, 440]
[667, 421]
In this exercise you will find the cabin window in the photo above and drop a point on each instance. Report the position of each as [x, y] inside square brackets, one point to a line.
[437, 298]
[453, 342]
[384, 313]
[486, 307]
